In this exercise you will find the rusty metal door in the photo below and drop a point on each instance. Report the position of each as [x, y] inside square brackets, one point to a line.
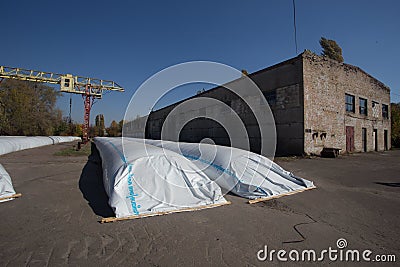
[349, 138]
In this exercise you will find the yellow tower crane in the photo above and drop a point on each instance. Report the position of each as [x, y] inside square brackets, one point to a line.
[89, 88]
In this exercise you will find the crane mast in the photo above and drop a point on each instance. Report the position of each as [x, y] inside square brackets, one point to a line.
[89, 88]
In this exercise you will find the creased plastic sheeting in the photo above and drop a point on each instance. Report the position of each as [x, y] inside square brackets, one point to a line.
[242, 172]
[142, 180]
[10, 144]
[6, 187]
[64, 139]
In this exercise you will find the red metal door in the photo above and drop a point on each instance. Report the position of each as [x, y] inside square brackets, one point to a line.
[349, 138]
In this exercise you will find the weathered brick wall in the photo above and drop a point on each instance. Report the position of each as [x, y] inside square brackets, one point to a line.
[325, 84]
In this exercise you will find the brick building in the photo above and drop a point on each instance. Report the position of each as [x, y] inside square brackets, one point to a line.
[316, 102]
[344, 107]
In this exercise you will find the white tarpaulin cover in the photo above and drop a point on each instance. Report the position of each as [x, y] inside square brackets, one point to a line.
[10, 144]
[242, 172]
[6, 188]
[64, 139]
[143, 180]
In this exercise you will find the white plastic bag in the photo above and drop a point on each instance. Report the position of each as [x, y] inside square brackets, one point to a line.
[6, 187]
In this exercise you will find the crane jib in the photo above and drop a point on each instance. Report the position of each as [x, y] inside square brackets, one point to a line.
[89, 88]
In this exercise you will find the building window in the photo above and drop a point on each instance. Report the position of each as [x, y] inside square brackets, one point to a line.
[350, 103]
[385, 111]
[375, 109]
[363, 106]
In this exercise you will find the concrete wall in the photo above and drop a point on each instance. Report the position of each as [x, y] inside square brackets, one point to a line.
[198, 128]
[135, 128]
[284, 79]
[325, 84]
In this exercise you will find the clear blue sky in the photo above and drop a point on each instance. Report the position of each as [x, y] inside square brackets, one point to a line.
[129, 41]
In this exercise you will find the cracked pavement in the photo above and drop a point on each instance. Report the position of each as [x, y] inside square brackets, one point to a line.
[55, 222]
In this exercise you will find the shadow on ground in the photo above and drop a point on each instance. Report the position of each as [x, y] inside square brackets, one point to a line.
[92, 187]
[389, 184]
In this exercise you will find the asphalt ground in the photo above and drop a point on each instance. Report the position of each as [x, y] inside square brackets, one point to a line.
[56, 221]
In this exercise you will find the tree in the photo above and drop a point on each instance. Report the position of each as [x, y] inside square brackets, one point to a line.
[28, 108]
[67, 128]
[395, 110]
[121, 125]
[63, 127]
[78, 130]
[331, 49]
[114, 129]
